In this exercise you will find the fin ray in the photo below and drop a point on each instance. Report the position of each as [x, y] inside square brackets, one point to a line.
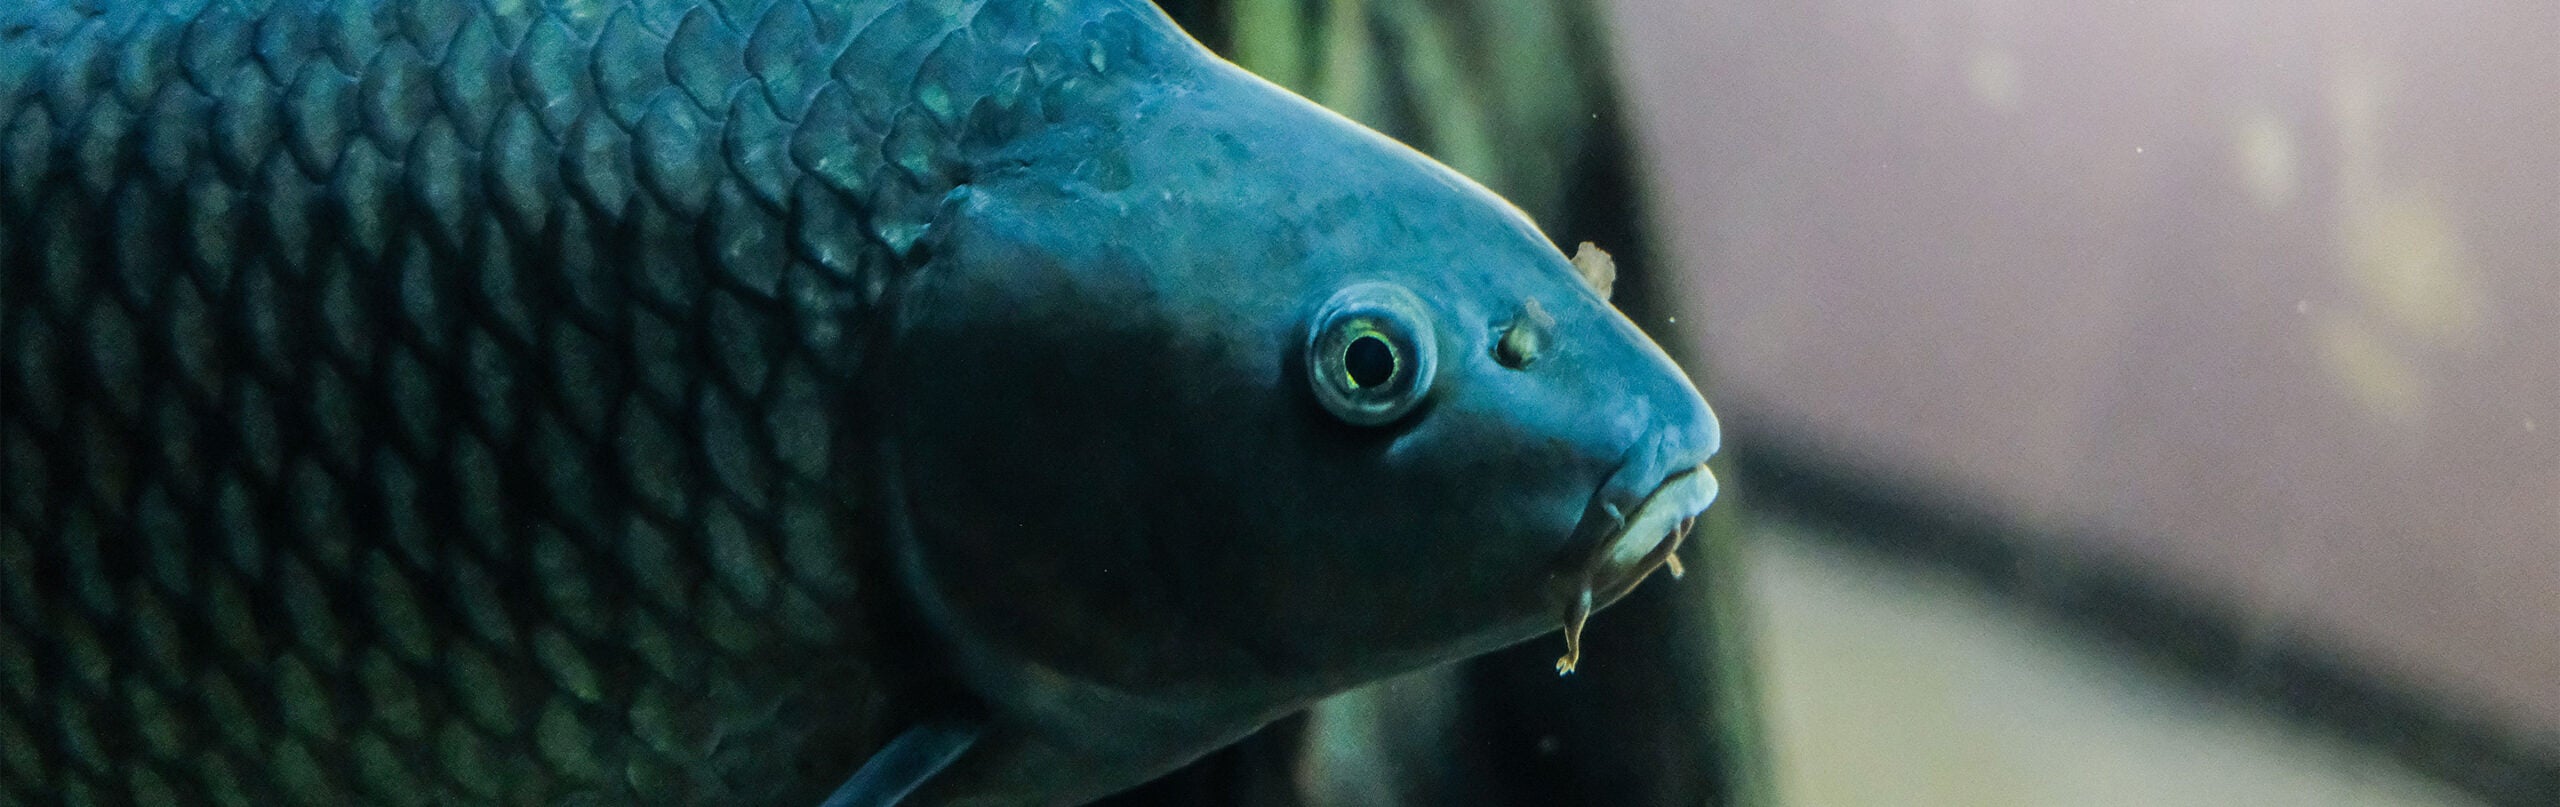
[904, 764]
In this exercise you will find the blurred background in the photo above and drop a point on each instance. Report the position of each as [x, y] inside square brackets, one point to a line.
[2224, 333]
[2127, 403]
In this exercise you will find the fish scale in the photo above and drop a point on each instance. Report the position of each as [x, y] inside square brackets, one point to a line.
[493, 352]
[624, 401]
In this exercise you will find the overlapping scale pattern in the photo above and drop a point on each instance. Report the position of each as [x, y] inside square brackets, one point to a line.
[445, 401]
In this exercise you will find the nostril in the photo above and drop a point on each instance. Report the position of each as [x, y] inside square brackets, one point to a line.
[1524, 337]
[1517, 347]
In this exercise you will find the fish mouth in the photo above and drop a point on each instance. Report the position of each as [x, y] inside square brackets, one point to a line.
[1639, 543]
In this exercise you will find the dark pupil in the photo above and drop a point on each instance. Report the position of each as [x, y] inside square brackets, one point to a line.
[1369, 361]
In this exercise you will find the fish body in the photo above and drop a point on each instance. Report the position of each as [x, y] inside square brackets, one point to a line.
[665, 402]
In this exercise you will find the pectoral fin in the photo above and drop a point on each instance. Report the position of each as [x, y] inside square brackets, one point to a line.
[904, 764]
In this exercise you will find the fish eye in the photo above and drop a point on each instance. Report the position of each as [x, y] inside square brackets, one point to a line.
[1368, 362]
[1370, 354]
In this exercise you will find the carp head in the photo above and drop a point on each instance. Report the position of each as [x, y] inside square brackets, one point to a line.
[1217, 403]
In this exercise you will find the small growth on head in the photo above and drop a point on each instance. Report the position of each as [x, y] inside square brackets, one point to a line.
[1596, 268]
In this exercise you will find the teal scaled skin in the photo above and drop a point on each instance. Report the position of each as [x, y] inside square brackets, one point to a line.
[1120, 514]
[420, 402]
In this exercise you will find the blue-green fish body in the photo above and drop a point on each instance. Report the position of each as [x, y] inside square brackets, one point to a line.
[671, 402]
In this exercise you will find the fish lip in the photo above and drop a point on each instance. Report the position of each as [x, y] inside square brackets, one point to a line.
[1629, 547]
[1641, 541]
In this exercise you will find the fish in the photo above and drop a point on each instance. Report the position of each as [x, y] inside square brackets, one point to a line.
[757, 401]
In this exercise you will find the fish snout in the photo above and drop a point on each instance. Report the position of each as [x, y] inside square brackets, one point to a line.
[1624, 532]
[1635, 522]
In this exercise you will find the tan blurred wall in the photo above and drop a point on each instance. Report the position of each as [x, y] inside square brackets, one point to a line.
[2268, 289]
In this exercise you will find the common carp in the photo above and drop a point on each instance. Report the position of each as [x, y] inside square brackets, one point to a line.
[762, 401]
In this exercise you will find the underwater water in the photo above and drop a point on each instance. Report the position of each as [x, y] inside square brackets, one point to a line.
[1885, 683]
[2219, 331]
